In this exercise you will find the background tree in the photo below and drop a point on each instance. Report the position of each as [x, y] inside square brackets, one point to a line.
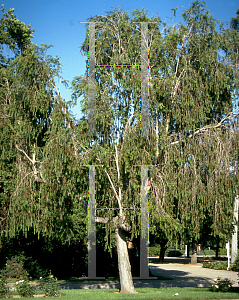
[37, 154]
[196, 87]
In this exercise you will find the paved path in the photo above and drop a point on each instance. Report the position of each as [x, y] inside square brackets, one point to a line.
[178, 271]
[183, 274]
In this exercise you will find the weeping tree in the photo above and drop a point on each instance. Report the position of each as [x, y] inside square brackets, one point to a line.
[196, 86]
[15, 37]
[190, 97]
[39, 174]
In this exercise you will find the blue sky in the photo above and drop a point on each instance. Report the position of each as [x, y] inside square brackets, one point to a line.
[56, 22]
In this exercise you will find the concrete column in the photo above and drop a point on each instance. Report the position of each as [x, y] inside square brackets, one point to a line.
[144, 235]
[235, 234]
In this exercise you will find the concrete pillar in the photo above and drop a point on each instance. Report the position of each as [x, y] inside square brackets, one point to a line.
[235, 234]
[228, 254]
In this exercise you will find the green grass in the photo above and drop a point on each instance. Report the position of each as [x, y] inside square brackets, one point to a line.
[145, 293]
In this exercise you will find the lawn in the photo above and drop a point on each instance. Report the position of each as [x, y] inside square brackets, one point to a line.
[145, 293]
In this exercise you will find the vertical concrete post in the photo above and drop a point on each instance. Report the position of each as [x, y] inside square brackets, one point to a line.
[144, 235]
[235, 231]
[91, 225]
[228, 254]
[186, 250]
[91, 82]
[144, 80]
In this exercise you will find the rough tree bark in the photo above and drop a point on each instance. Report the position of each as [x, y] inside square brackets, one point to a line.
[194, 254]
[163, 249]
[126, 280]
[120, 227]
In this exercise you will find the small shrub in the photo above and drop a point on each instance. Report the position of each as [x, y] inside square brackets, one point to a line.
[174, 253]
[34, 269]
[154, 251]
[235, 265]
[223, 251]
[4, 289]
[15, 267]
[217, 265]
[24, 288]
[50, 286]
[222, 285]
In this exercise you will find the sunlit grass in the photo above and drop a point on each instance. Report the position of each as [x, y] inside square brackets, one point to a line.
[146, 293]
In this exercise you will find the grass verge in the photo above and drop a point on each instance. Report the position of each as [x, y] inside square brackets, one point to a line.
[146, 294]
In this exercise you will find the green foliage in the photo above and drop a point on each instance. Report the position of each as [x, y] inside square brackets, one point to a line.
[14, 33]
[235, 22]
[223, 251]
[15, 267]
[154, 251]
[19, 266]
[221, 285]
[217, 265]
[36, 158]
[24, 288]
[4, 289]
[193, 146]
[173, 253]
[50, 286]
[235, 265]
[191, 91]
[34, 269]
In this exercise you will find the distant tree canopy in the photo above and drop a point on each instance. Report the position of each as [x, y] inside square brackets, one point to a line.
[235, 22]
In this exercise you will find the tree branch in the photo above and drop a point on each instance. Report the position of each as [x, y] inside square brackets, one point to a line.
[122, 224]
[209, 126]
[33, 164]
[101, 220]
[118, 199]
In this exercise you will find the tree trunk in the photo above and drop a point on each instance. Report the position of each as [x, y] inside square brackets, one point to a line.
[194, 254]
[163, 249]
[126, 281]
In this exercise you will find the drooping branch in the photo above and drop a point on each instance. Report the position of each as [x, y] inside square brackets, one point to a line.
[118, 171]
[203, 129]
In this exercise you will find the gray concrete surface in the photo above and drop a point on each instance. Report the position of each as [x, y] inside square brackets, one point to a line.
[183, 274]
[177, 271]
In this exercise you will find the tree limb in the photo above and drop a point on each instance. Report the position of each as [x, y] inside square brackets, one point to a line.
[118, 199]
[33, 164]
[122, 224]
[101, 220]
[209, 126]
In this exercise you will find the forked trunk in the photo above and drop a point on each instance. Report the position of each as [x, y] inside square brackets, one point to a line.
[126, 281]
